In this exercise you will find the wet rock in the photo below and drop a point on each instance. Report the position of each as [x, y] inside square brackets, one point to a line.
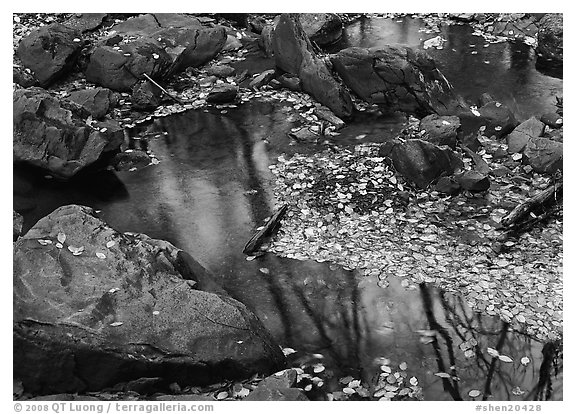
[83, 322]
[485, 99]
[276, 394]
[262, 79]
[221, 71]
[50, 52]
[267, 37]
[145, 386]
[53, 135]
[447, 185]
[23, 77]
[544, 155]
[232, 43]
[293, 53]
[552, 119]
[281, 379]
[85, 22]
[473, 181]
[207, 81]
[222, 93]
[121, 69]
[471, 142]
[176, 20]
[97, 101]
[290, 81]
[322, 28]
[303, 135]
[421, 162]
[146, 96]
[498, 119]
[550, 40]
[441, 130]
[125, 161]
[327, 115]
[518, 139]
[257, 23]
[137, 26]
[17, 223]
[397, 79]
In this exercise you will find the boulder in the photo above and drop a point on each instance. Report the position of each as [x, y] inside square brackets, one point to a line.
[232, 43]
[221, 71]
[290, 81]
[544, 155]
[146, 95]
[222, 93]
[85, 22]
[327, 115]
[23, 77]
[120, 69]
[50, 52]
[293, 53]
[397, 78]
[52, 134]
[97, 101]
[498, 119]
[278, 387]
[176, 20]
[421, 162]
[109, 307]
[17, 224]
[262, 79]
[550, 40]
[125, 161]
[473, 181]
[552, 119]
[518, 139]
[322, 28]
[447, 185]
[440, 130]
[137, 26]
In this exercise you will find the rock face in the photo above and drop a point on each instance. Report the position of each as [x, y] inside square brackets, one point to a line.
[550, 39]
[97, 101]
[441, 130]
[52, 134]
[294, 54]
[421, 162]
[322, 28]
[50, 52]
[397, 79]
[85, 321]
[544, 155]
[518, 139]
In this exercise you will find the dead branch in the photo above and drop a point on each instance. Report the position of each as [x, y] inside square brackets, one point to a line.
[267, 230]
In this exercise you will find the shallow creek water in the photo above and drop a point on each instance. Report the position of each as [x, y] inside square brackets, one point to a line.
[213, 187]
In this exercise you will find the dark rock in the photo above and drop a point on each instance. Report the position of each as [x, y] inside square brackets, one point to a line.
[122, 69]
[85, 22]
[397, 78]
[473, 181]
[176, 20]
[50, 52]
[23, 77]
[207, 81]
[498, 119]
[184, 397]
[303, 134]
[137, 26]
[441, 130]
[222, 71]
[257, 23]
[146, 95]
[281, 379]
[327, 115]
[447, 185]
[552, 119]
[293, 53]
[232, 43]
[471, 141]
[145, 386]
[544, 155]
[53, 135]
[518, 139]
[124, 161]
[276, 394]
[267, 37]
[290, 81]
[64, 397]
[97, 102]
[550, 40]
[83, 322]
[222, 93]
[17, 223]
[262, 79]
[556, 134]
[322, 28]
[421, 162]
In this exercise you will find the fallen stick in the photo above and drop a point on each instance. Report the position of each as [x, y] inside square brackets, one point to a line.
[267, 230]
[552, 193]
[163, 90]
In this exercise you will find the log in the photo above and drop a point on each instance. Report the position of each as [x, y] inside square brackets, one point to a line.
[550, 195]
[270, 227]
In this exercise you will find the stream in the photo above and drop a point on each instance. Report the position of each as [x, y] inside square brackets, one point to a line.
[213, 187]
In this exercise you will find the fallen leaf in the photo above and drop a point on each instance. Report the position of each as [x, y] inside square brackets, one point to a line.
[492, 352]
[110, 243]
[442, 375]
[100, 255]
[474, 393]
[525, 360]
[61, 237]
[116, 323]
[505, 358]
[44, 242]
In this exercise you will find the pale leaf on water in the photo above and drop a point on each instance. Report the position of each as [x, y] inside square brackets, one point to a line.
[474, 393]
[308, 387]
[288, 351]
[413, 381]
[265, 270]
[348, 391]
[504, 358]
[525, 360]
[222, 395]
[318, 368]
[100, 255]
[492, 352]
[442, 375]
[116, 323]
[59, 245]
[250, 258]
[61, 237]
[403, 366]
[110, 243]
[44, 242]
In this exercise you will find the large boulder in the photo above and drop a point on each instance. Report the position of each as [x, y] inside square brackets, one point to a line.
[293, 53]
[222, 93]
[421, 162]
[322, 28]
[544, 155]
[518, 139]
[550, 40]
[440, 130]
[96, 101]
[50, 52]
[397, 78]
[497, 119]
[53, 134]
[94, 307]
[85, 22]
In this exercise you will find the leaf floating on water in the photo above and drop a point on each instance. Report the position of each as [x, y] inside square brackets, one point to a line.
[517, 156]
[505, 358]
[116, 323]
[76, 251]
[318, 368]
[44, 242]
[156, 313]
[308, 387]
[100, 255]
[265, 270]
[59, 245]
[288, 351]
[243, 393]
[222, 395]
[474, 393]
[517, 391]
[442, 375]
[469, 353]
[348, 391]
[114, 290]
[386, 368]
[61, 237]
[111, 243]
[525, 360]
[413, 381]
[250, 258]
[492, 352]
[354, 383]
[403, 366]
[346, 380]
